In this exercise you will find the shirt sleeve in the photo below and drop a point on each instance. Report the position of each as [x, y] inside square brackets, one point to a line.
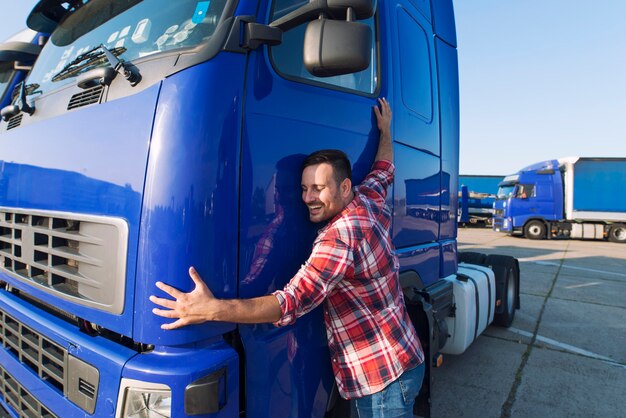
[379, 179]
[330, 261]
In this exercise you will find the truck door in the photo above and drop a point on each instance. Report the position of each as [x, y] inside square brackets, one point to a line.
[288, 114]
[534, 200]
[420, 187]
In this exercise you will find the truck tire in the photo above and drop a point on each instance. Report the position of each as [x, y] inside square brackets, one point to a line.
[506, 270]
[617, 233]
[535, 230]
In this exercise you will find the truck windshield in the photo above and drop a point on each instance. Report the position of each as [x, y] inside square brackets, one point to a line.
[131, 29]
[504, 192]
[6, 71]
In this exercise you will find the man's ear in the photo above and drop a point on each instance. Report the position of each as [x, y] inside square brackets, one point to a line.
[346, 187]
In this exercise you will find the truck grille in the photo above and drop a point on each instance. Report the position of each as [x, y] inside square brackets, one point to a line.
[18, 398]
[76, 257]
[35, 351]
[72, 377]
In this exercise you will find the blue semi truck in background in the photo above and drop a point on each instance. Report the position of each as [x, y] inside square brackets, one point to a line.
[154, 135]
[477, 194]
[570, 197]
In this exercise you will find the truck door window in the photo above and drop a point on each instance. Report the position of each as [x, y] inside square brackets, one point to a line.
[415, 66]
[524, 191]
[130, 28]
[287, 57]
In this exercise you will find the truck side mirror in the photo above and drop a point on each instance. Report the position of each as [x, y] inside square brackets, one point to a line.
[333, 43]
[333, 47]
[19, 52]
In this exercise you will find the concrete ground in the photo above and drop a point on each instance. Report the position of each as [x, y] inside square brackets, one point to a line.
[564, 355]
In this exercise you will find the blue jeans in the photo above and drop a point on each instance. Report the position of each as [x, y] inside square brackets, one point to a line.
[395, 401]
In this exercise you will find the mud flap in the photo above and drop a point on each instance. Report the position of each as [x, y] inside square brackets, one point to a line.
[500, 264]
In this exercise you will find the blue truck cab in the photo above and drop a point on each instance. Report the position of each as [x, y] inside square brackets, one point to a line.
[534, 193]
[571, 197]
[156, 135]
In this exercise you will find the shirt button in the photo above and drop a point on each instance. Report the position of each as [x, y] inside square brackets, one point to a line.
[334, 360]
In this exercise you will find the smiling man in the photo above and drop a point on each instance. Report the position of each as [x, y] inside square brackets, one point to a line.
[326, 184]
[353, 270]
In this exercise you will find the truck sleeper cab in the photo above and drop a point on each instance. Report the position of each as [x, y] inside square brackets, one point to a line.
[158, 135]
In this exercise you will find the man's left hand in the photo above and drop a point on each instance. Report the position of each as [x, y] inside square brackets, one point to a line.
[190, 308]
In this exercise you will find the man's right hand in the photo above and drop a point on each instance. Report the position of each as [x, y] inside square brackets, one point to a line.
[383, 116]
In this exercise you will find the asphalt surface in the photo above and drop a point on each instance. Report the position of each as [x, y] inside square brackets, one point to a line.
[565, 353]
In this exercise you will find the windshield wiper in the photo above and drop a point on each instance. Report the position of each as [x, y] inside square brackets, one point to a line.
[95, 57]
[130, 73]
[82, 62]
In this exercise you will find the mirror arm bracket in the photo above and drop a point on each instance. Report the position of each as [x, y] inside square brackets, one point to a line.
[349, 14]
[20, 66]
[256, 34]
[246, 35]
[349, 10]
[24, 106]
[301, 15]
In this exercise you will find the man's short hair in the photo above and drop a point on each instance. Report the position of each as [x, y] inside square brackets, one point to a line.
[337, 159]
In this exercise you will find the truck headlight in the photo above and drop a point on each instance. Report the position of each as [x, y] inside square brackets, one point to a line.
[139, 399]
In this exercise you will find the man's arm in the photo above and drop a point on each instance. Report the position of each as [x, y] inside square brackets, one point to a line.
[383, 118]
[200, 305]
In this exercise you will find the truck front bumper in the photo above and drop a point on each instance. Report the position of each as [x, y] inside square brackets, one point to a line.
[48, 368]
[503, 225]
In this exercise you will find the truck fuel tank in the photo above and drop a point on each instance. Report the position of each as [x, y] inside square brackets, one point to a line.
[474, 298]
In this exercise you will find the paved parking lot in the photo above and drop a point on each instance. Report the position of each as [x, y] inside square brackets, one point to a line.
[565, 354]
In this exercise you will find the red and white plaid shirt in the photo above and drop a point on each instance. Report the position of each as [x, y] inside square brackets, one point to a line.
[354, 268]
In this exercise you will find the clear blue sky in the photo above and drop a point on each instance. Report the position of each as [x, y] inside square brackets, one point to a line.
[540, 79]
[14, 15]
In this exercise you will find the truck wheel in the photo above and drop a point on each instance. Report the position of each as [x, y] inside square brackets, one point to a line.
[617, 233]
[535, 230]
[507, 274]
[505, 319]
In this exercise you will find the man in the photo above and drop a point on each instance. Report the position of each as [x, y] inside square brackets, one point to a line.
[376, 355]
